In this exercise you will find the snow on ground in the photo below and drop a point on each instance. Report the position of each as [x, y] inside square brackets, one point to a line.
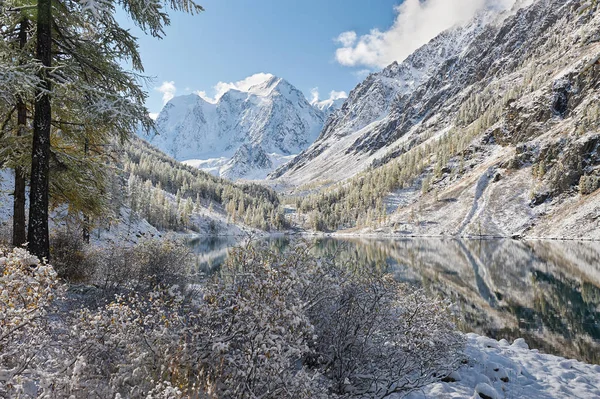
[211, 165]
[401, 198]
[496, 369]
[214, 222]
[277, 160]
[334, 163]
[129, 229]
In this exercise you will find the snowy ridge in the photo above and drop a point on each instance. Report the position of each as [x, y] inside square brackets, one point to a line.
[271, 117]
[516, 91]
[329, 106]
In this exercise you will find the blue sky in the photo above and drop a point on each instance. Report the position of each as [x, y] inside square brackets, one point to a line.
[234, 39]
[326, 44]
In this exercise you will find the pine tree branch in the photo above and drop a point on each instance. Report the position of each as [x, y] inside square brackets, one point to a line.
[7, 120]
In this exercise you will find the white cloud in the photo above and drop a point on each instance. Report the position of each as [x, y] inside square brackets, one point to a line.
[168, 91]
[153, 115]
[242, 85]
[417, 22]
[333, 95]
[347, 39]
[204, 96]
[314, 95]
[337, 95]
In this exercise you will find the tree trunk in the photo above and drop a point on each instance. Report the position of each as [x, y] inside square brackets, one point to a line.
[38, 234]
[86, 219]
[19, 236]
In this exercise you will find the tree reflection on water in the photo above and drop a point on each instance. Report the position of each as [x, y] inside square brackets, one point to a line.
[547, 292]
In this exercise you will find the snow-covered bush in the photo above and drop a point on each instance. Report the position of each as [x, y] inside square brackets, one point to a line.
[27, 289]
[378, 337]
[269, 325]
[49, 349]
[161, 262]
[123, 349]
[69, 257]
[368, 334]
[251, 333]
[142, 267]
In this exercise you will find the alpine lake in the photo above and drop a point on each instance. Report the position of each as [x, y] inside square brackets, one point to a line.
[547, 292]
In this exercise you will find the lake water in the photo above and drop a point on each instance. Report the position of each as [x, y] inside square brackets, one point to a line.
[547, 292]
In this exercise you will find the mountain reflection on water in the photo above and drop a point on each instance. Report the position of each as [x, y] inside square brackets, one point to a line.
[547, 292]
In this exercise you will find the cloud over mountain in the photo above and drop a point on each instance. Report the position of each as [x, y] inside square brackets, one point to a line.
[242, 85]
[417, 22]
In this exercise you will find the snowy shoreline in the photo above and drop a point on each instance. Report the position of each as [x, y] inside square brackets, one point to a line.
[497, 369]
[381, 235]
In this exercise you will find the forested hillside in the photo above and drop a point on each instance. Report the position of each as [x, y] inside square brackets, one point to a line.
[139, 182]
[168, 193]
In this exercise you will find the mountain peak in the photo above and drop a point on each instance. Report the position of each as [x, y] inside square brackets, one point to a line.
[273, 85]
[329, 105]
[185, 100]
[263, 114]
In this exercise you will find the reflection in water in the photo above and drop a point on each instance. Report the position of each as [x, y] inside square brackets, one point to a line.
[210, 252]
[545, 291]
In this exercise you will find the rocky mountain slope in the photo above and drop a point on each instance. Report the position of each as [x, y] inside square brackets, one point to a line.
[389, 104]
[489, 129]
[329, 106]
[242, 134]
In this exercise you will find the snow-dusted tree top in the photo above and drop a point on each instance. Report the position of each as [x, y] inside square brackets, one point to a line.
[96, 7]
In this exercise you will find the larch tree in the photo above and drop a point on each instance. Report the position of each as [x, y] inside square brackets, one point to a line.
[90, 45]
[15, 22]
[19, 237]
[38, 234]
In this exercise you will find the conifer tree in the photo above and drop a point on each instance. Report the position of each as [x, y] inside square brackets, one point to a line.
[38, 235]
[14, 27]
[19, 236]
[91, 44]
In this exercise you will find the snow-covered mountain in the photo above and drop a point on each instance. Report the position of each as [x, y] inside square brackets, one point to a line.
[490, 128]
[330, 105]
[387, 104]
[243, 133]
